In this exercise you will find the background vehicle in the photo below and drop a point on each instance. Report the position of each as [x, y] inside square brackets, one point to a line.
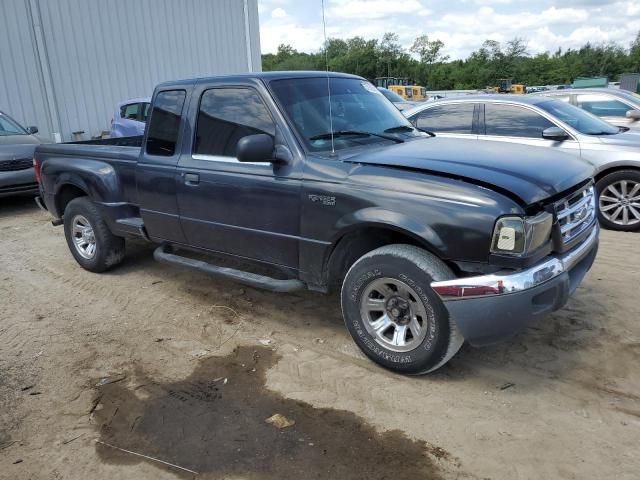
[506, 85]
[17, 144]
[545, 122]
[398, 102]
[130, 118]
[433, 241]
[618, 107]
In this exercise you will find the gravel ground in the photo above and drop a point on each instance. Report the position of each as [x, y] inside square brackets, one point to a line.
[183, 368]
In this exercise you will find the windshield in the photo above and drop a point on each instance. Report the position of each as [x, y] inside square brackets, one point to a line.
[627, 95]
[356, 106]
[10, 127]
[577, 118]
[391, 96]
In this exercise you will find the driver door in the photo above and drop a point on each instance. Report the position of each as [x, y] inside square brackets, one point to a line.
[249, 210]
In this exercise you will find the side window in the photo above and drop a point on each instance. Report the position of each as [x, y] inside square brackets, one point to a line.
[130, 111]
[447, 119]
[165, 123]
[228, 114]
[512, 121]
[602, 105]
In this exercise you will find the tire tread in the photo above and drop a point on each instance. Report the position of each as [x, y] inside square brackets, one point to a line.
[438, 271]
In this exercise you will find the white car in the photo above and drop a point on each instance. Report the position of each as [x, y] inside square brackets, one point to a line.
[542, 121]
[618, 107]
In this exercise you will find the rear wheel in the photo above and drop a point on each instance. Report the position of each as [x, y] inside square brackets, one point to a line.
[619, 200]
[392, 313]
[91, 242]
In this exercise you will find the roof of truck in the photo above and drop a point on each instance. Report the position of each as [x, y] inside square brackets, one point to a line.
[266, 76]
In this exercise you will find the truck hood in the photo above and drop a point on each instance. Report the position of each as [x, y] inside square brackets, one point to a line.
[20, 140]
[530, 173]
[16, 152]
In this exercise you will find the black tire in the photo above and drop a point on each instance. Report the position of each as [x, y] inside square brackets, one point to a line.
[415, 268]
[603, 193]
[109, 249]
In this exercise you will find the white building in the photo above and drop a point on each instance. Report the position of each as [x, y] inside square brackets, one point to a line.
[65, 64]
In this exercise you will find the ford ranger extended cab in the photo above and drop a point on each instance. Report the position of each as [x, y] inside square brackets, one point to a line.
[318, 181]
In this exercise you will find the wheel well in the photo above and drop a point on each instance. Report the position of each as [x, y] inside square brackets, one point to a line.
[66, 194]
[604, 173]
[355, 244]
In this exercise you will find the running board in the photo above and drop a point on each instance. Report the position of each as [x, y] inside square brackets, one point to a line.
[163, 255]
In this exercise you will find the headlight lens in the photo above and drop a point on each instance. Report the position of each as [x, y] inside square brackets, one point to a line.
[521, 235]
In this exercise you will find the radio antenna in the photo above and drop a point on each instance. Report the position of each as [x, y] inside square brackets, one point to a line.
[326, 61]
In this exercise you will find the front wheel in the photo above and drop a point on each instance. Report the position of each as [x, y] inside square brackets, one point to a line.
[619, 200]
[91, 242]
[392, 313]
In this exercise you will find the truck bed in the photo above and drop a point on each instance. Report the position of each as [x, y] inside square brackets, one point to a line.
[118, 141]
[125, 148]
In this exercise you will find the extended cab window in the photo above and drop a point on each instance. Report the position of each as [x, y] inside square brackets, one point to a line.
[228, 114]
[447, 119]
[512, 121]
[165, 123]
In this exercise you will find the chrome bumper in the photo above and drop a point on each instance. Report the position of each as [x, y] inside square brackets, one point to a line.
[518, 281]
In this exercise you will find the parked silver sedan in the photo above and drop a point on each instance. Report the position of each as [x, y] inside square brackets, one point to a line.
[618, 107]
[542, 121]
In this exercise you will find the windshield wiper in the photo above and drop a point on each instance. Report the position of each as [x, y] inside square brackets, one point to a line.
[342, 133]
[409, 128]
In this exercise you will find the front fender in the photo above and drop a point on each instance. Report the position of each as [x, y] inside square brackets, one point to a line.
[383, 218]
[606, 168]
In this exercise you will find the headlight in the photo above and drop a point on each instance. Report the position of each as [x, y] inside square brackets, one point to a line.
[521, 235]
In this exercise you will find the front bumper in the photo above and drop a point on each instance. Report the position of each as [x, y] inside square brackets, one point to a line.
[489, 308]
[18, 182]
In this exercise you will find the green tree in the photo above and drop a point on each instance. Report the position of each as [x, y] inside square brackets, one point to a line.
[428, 51]
[389, 51]
[371, 58]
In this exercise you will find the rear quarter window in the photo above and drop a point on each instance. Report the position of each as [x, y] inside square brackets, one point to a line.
[456, 118]
[164, 126]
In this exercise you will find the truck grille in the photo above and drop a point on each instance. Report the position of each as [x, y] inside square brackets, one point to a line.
[576, 213]
[12, 165]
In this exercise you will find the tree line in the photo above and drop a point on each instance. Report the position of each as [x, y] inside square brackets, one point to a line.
[425, 64]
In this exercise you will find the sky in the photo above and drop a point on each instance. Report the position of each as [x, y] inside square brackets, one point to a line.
[462, 25]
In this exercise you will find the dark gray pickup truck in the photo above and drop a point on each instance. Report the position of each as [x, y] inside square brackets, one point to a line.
[432, 240]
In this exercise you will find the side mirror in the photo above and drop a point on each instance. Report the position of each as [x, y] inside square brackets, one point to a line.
[554, 133]
[32, 130]
[633, 114]
[255, 148]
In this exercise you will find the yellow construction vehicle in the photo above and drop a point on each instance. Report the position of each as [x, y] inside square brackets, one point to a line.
[414, 93]
[403, 87]
[506, 85]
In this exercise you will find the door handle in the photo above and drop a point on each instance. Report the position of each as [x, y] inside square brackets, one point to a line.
[191, 178]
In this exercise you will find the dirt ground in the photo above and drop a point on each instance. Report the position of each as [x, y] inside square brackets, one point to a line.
[183, 368]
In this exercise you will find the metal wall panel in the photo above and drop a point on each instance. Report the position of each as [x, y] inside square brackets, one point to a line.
[21, 90]
[99, 53]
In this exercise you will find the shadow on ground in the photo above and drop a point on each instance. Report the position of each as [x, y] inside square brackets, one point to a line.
[17, 205]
